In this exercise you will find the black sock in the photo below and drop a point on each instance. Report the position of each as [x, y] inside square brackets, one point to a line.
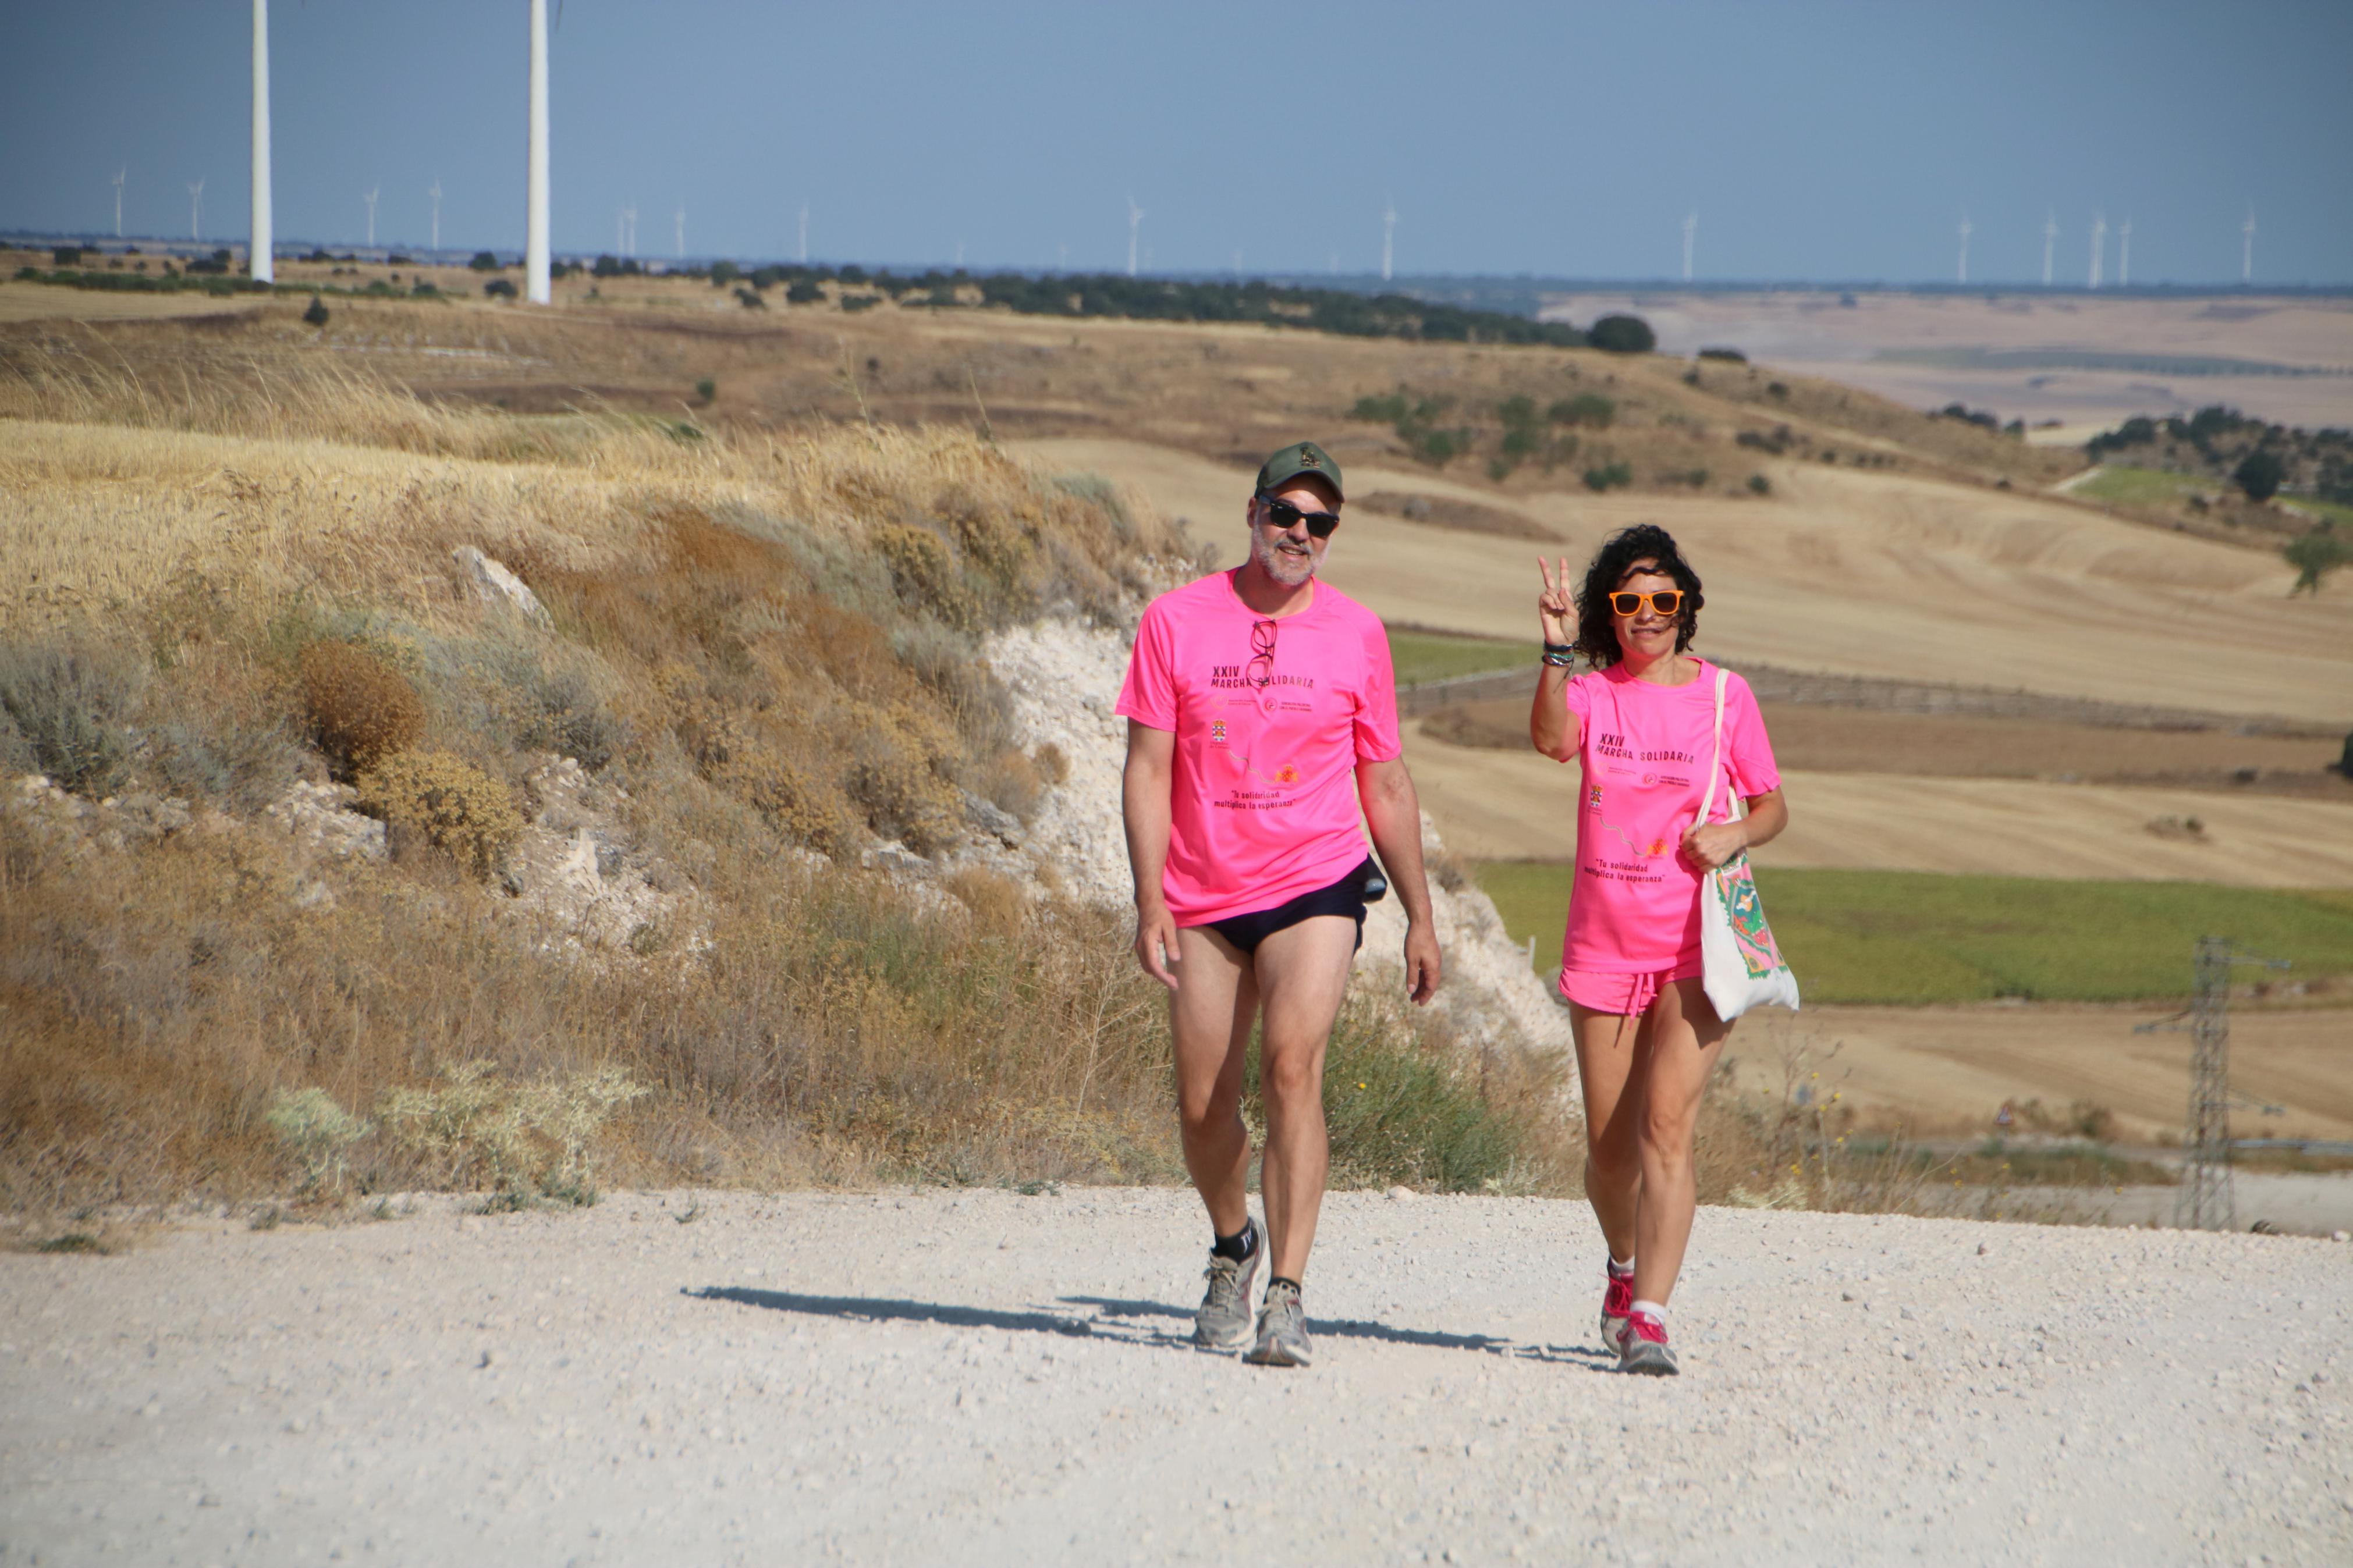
[1279, 1279]
[1239, 1245]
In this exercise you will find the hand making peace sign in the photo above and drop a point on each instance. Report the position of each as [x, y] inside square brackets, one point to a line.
[1555, 609]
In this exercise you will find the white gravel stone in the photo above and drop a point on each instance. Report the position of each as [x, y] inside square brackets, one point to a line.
[979, 1377]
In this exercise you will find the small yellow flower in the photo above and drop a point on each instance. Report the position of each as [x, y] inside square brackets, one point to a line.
[1360, 1086]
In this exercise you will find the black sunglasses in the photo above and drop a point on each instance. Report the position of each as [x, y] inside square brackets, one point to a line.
[1284, 516]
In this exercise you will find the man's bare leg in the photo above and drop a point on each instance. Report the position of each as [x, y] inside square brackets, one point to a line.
[1303, 972]
[1211, 1014]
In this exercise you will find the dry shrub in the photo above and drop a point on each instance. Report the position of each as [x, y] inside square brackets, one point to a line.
[319, 1134]
[63, 703]
[449, 802]
[524, 1140]
[801, 803]
[362, 710]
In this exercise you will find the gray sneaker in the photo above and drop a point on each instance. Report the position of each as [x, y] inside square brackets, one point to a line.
[1223, 1324]
[1282, 1331]
[1642, 1347]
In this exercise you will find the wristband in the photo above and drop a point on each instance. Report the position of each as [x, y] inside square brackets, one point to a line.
[1559, 660]
[1560, 648]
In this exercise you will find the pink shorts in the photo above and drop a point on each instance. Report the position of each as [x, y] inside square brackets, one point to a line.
[1631, 995]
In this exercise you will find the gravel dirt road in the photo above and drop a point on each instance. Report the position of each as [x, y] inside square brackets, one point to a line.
[984, 1377]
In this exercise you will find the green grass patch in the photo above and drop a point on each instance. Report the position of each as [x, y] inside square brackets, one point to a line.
[1439, 656]
[1913, 938]
[2145, 487]
[2332, 511]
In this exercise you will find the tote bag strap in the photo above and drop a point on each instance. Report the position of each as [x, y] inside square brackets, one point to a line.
[1716, 760]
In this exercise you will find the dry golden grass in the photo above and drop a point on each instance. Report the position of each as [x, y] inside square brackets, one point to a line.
[770, 643]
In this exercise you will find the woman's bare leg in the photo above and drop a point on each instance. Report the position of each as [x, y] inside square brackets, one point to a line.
[1684, 1039]
[1610, 1046]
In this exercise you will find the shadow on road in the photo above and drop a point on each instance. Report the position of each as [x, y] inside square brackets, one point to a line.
[1127, 1323]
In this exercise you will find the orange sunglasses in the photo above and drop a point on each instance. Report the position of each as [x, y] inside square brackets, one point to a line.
[1664, 602]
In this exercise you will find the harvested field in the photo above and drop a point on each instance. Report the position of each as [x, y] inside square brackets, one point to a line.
[1842, 740]
[1866, 574]
[1516, 806]
[1946, 1070]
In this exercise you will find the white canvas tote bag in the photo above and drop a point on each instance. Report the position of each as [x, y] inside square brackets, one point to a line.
[1743, 967]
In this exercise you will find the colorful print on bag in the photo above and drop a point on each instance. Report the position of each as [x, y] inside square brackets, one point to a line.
[1736, 884]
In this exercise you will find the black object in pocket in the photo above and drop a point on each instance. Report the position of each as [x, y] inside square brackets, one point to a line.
[1369, 877]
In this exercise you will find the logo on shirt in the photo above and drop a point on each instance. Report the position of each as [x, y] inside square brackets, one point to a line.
[1217, 732]
[1593, 796]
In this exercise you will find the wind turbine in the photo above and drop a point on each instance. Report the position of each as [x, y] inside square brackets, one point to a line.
[535, 256]
[2050, 239]
[1964, 248]
[196, 209]
[1134, 223]
[1388, 238]
[436, 193]
[260, 246]
[2124, 254]
[1690, 232]
[120, 175]
[372, 193]
[2247, 254]
[2099, 245]
[803, 234]
[681, 231]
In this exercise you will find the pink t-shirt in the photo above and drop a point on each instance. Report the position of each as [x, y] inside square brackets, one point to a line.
[1633, 907]
[1271, 717]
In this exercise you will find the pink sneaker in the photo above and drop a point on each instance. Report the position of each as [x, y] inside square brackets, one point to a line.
[1617, 1300]
[1642, 1347]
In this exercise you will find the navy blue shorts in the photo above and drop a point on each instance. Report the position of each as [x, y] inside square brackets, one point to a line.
[1348, 896]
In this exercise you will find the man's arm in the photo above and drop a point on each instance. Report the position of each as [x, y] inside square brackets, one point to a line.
[1393, 812]
[1143, 806]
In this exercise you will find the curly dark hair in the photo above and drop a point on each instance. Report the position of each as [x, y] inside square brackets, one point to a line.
[1597, 633]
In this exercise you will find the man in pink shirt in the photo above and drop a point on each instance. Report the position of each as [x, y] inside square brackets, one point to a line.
[1262, 715]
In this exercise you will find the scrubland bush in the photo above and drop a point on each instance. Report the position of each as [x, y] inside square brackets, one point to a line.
[319, 1134]
[1622, 335]
[362, 709]
[66, 702]
[446, 802]
[526, 1141]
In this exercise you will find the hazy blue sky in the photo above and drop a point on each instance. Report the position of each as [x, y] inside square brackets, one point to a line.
[1816, 139]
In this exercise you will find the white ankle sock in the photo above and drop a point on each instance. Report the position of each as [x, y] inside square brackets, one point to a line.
[1655, 1309]
[1623, 1270]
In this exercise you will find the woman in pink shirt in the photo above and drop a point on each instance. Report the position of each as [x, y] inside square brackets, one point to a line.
[1641, 724]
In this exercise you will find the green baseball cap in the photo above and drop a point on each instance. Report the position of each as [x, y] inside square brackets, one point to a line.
[1299, 458]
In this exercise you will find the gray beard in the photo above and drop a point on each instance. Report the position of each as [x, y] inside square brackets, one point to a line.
[1290, 571]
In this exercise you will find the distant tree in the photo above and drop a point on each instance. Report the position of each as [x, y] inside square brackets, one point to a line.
[2259, 474]
[317, 314]
[722, 273]
[607, 267]
[499, 288]
[807, 293]
[1585, 408]
[485, 261]
[66, 255]
[706, 389]
[2315, 555]
[1622, 335]
[1735, 355]
[1607, 475]
[750, 299]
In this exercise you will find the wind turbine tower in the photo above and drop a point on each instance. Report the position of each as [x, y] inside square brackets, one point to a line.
[2049, 244]
[535, 256]
[436, 193]
[196, 209]
[2099, 245]
[2124, 254]
[2247, 254]
[1964, 248]
[120, 175]
[1388, 239]
[1135, 224]
[260, 249]
[373, 192]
